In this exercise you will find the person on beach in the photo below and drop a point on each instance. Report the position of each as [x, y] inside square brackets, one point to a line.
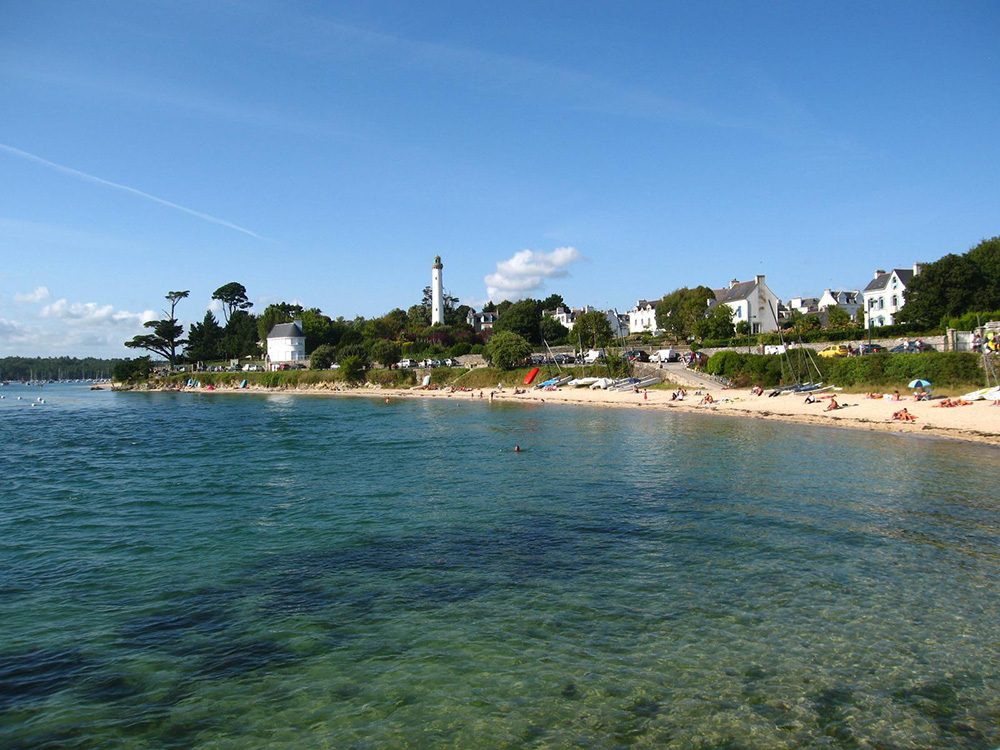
[707, 399]
[832, 405]
[903, 415]
[810, 399]
[895, 396]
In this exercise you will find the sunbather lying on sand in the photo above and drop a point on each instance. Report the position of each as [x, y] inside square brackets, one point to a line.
[903, 416]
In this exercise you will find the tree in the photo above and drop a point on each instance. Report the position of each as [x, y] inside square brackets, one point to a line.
[552, 331]
[166, 336]
[506, 350]
[352, 367]
[718, 324]
[385, 352]
[522, 318]
[322, 357]
[240, 338]
[233, 297]
[592, 330]
[677, 312]
[552, 302]
[204, 342]
[837, 317]
[131, 370]
[953, 286]
[418, 317]
[281, 312]
[489, 307]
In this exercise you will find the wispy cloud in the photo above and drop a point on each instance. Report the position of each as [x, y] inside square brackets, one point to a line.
[40, 294]
[91, 312]
[527, 271]
[107, 183]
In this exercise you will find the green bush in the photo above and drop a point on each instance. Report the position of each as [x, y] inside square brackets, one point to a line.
[875, 370]
[972, 320]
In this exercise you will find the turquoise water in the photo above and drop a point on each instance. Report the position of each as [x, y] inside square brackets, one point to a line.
[235, 571]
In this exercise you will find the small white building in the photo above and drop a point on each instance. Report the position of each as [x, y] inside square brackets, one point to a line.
[286, 343]
[642, 318]
[751, 301]
[567, 318]
[849, 302]
[804, 305]
[481, 321]
[883, 297]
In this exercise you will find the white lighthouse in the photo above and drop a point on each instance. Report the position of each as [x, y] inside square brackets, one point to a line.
[437, 293]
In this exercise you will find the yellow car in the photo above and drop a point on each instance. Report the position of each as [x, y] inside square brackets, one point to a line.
[834, 350]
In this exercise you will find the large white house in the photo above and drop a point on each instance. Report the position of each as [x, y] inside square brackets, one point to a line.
[751, 301]
[642, 318]
[849, 302]
[481, 321]
[567, 318]
[286, 343]
[883, 297]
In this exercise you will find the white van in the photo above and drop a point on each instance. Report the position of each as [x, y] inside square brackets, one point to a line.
[592, 356]
[665, 355]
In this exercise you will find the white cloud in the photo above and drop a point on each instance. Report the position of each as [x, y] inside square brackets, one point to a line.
[527, 271]
[91, 312]
[40, 293]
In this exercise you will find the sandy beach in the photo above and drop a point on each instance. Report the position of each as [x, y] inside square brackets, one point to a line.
[977, 422]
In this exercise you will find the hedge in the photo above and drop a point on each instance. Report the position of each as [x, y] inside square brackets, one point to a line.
[940, 368]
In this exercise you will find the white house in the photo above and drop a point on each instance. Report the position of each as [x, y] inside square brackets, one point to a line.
[642, 318]
[849, 302]
[286, 343]
[883, 297]
[752, 302]
[481, 321]
[619, 323]
[804, 305]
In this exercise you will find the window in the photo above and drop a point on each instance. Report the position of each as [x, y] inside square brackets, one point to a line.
[881, 303]
[894, 302]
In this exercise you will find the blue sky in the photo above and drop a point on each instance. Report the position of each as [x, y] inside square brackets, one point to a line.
[323, 153]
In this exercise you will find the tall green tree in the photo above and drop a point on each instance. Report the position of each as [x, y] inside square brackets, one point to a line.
[385, 352]
[552, 302]
[166, 336]
[233, 297]
[552, 331]
[522, 318]
[506, 350]
[240, 339]
[204, 342]
[281, 312]
[718, 324]
[953, 286]
[592, 329]
[677, 312]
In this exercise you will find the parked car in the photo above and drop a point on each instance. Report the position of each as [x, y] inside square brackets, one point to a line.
[451, 363]
[637, 355]
[284, 366]
[911, 347]
[870, 348]
[834, 350]
[405, 363]
[565, 359]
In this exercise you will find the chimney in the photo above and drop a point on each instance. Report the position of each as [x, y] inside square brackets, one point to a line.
[917, 268]
[760, 279]
[879, 273]
[733, 283]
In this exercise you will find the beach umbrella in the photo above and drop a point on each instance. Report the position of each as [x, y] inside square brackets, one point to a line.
[919, 383]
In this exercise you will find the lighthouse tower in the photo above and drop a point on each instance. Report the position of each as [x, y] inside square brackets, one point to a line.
[437, 293]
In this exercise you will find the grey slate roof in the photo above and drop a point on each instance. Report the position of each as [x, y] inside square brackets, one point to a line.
[734, 293]
[904, 274]
[285, 331]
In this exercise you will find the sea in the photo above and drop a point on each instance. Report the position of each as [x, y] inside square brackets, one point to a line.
[241, 571]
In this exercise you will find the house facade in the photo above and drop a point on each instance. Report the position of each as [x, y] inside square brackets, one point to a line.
[567, 318]
[642, 318]
[883, 297]
[849, 302]
[286, 343]
[481, 321]
[751, 301]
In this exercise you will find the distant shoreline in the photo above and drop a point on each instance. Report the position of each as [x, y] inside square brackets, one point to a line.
[976, 423]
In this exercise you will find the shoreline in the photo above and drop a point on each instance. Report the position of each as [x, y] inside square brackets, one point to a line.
[978, 422]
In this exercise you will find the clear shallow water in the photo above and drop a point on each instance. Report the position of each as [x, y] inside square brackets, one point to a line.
[233, 571]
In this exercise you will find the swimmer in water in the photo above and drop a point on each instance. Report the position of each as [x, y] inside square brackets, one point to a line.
[517, 449]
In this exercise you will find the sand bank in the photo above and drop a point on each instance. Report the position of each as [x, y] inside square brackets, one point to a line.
[978, 422]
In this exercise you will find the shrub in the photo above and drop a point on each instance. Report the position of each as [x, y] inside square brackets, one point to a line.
[352, 367]
[506, 350]
[322, 357]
